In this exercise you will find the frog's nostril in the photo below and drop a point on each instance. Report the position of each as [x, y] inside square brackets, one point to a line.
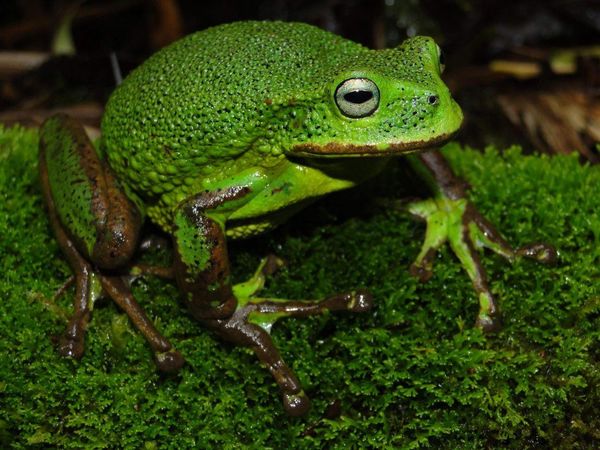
[433, 99]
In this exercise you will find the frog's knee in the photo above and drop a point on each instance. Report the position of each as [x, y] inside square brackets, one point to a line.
[116, 242]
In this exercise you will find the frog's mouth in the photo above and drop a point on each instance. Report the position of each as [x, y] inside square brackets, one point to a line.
[387, 149]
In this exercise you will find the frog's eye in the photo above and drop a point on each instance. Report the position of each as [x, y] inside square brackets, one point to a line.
[357, 97]
[441, 59]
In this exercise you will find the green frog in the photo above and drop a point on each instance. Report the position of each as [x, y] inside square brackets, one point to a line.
[227, 133]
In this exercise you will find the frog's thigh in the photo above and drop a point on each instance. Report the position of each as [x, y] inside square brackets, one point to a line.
[86, 282]
[101, 221]
[88, 198]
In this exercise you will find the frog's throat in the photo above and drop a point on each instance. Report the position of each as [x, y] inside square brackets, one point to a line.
[394, 148]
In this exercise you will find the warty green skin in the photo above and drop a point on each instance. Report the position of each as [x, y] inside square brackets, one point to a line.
[228, 132]
[231, 104]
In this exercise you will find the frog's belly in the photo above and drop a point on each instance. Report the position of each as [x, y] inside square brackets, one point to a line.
[244, 228]
[296, 186]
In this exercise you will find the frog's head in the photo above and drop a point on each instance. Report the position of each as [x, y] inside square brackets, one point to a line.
[383, 102]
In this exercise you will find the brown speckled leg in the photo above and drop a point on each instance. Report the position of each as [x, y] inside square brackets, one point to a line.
[251, 323]
[358, 301]
[167, 358]
[450, 217]
[539, 251]
[72, 342]
[240, 332]
[91, 282]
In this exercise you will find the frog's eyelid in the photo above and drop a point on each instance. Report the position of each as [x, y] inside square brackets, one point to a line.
[357, 97]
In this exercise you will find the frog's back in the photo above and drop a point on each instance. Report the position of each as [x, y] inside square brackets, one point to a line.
[200, 101]
[245, 62]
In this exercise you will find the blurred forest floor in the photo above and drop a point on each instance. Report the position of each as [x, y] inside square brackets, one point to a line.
[527, 74]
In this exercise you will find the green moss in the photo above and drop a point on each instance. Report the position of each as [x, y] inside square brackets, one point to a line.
[413, 373]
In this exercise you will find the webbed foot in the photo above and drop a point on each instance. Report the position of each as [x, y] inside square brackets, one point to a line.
[456, 221]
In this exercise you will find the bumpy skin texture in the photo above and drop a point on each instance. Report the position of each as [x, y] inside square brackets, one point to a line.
[92, 207]
[228, 132]
[244, 94]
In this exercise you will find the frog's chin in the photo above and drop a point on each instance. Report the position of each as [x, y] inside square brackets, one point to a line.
[343, 149]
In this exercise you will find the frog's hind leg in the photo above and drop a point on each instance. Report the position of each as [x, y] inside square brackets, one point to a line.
[89, 285]
[86, 292]
[166, 357]
[97, 228]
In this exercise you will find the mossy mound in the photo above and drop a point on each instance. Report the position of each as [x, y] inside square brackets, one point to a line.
[412, 373]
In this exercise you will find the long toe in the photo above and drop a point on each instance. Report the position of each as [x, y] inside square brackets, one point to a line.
[71, 348]
[296, 404]
[169, 361]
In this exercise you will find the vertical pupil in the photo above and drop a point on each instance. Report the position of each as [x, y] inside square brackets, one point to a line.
[358, 96]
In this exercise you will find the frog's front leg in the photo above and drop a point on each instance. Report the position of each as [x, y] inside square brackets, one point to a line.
[202, 272]
[97, 228]
[451, 217]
